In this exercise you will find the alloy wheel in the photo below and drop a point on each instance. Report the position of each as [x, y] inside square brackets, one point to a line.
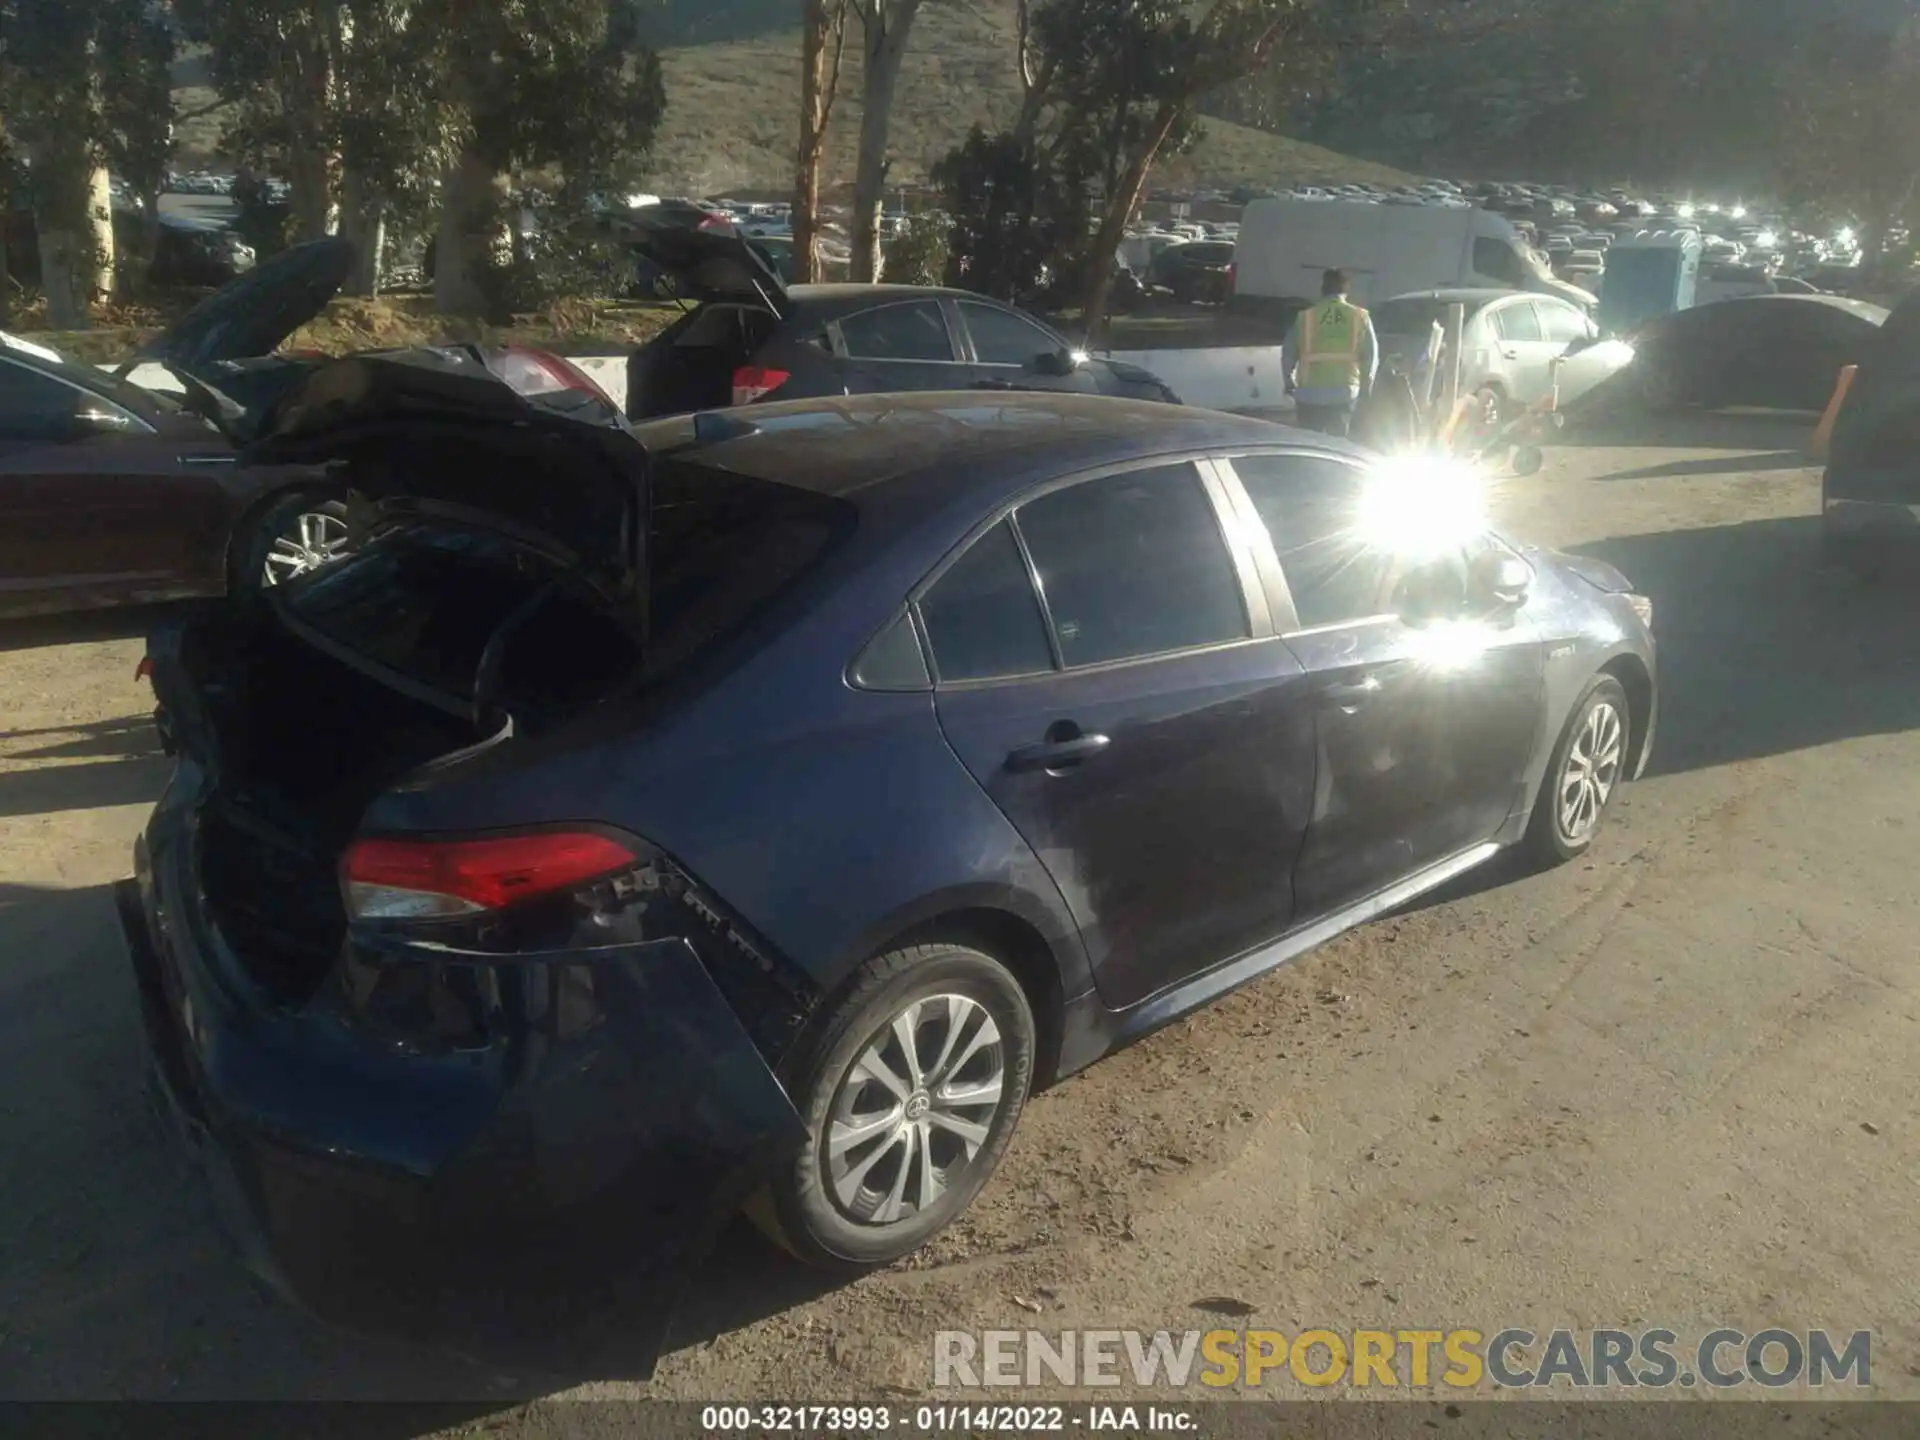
[1591, 771]
[314, 539]
[914, 1109]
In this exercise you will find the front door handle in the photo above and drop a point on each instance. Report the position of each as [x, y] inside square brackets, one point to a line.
[1351, 696]
[1057, 754]
[206, 459]
[1510, 354]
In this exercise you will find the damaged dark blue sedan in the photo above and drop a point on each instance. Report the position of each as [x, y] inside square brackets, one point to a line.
[643, 823]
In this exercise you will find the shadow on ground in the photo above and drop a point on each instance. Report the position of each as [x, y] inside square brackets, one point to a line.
[1761, 652]
[106, 762]
[119, 1284]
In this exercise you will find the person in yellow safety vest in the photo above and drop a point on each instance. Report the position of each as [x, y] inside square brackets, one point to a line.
[1331, 358]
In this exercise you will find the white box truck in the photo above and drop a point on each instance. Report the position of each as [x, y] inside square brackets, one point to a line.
[1286, 245]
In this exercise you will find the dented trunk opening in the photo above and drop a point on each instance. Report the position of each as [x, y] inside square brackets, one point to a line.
[431, 645]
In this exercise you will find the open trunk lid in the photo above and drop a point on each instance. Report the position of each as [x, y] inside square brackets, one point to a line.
[252, 314]
[413, 432]
[707, 258]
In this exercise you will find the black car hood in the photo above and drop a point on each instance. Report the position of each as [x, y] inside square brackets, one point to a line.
[708, 258]
[252, 314]
[433, 431]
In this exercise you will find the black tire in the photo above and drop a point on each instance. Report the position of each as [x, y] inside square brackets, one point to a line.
[803, 1209]
[1549, 839]
[1529, 460]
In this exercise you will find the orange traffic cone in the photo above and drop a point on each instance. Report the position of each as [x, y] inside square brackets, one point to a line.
[1823, 433]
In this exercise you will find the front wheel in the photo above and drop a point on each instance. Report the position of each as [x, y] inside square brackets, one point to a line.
[1588, 767]
[302, 538]
[910, 1093]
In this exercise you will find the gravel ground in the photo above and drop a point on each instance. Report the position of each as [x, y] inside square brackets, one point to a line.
[1672, 1084]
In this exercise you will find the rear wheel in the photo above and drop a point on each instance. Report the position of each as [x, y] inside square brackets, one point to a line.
[1588, 767]
[910, 1092]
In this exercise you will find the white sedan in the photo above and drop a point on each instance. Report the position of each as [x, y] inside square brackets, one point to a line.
[1511, 341]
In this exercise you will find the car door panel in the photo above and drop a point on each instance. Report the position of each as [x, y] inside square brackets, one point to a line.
[1422, 744]
[119, 518]
[1159, 767]
[1174, 843]
[1422, 733]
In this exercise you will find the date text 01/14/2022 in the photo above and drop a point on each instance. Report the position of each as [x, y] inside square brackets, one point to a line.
[941, 1419]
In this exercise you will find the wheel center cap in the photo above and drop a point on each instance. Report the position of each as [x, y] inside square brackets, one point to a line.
[918, 1105]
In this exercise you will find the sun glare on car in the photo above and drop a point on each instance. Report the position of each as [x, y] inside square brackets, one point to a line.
[1419, 505]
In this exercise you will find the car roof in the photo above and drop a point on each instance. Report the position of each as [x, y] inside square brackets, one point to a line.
[922, 449]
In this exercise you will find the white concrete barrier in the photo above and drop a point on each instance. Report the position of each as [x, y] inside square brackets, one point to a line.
[1243, 378]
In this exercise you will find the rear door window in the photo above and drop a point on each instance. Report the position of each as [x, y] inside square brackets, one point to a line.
[1002, 338]
[1517, 323]
[1134, 565]
[1560, 323]
[982, 617]
[915, 330]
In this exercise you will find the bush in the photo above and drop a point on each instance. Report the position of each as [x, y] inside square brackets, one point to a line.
[918, 254]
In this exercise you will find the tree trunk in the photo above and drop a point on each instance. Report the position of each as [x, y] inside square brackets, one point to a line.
[886, 23]
[470, 207]
[820, 48]
[309, 177]
[100, 231]
[363, 220]
[1113, 225]
[63, 193]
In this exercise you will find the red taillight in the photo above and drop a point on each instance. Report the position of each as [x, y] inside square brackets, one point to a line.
[537, 372]
[144, 670]
[756, 382]
[711, 221]
[422, 879]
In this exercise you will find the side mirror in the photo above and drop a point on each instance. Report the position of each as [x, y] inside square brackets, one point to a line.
[1055, 363]
[89, 419]
[1497, 580]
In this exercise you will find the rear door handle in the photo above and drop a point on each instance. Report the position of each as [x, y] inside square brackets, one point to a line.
[1351, 696]
[1510, 354]
[1056, 754]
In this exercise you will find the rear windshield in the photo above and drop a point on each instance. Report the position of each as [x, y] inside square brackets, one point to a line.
[1410, 317]
[723, 548]
[426, 601]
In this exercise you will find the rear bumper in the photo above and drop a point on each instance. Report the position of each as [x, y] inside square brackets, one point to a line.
[536, 1196]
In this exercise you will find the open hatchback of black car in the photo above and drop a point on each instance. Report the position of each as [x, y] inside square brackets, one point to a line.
[642, 818]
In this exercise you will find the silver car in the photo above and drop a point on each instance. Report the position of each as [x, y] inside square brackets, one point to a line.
[1511, 341]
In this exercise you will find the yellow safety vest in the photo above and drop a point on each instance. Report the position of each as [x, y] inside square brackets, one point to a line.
[1330, 346]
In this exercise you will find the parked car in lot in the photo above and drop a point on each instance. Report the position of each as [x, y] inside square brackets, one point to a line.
[750, 338]
[565, 939]
[1510, 344]
[116, 493]
[1199, 270]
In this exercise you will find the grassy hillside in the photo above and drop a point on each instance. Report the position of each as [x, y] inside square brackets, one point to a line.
[733, 105]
